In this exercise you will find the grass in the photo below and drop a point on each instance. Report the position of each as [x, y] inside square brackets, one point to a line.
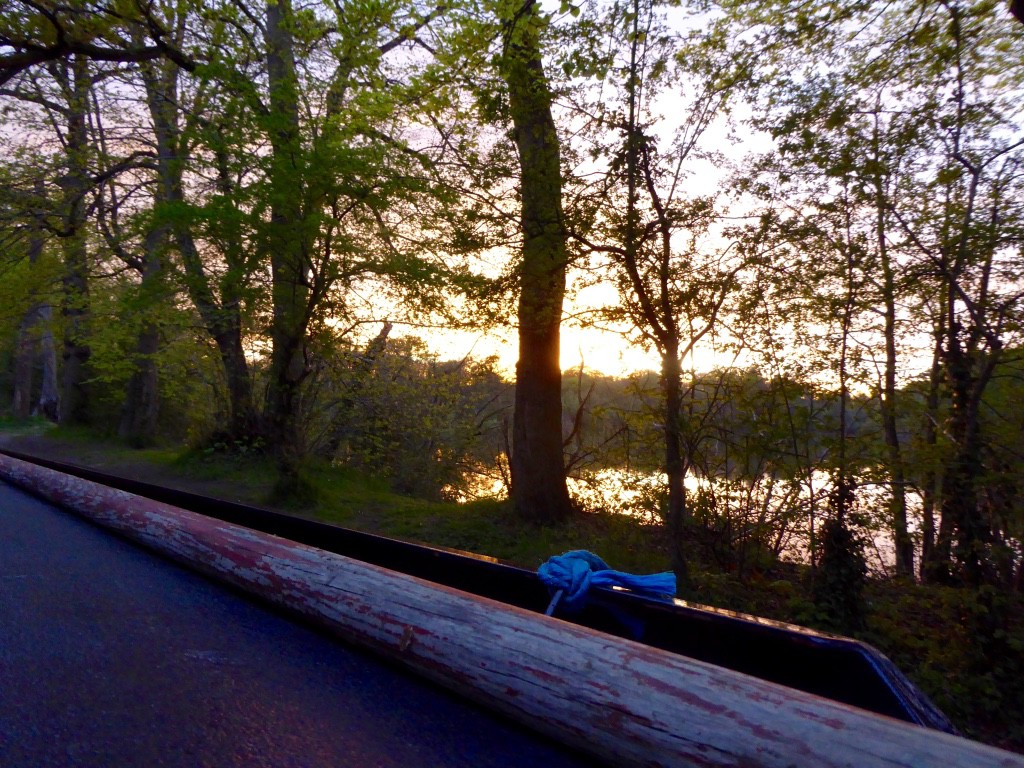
[34, 425]
[343, 496]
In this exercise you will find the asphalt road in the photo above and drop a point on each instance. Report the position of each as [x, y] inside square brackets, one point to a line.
[110, 656]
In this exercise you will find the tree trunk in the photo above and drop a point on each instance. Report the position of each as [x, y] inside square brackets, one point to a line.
[75, 306]
[933, 566]
[960, 499]
[142, 398]
[677, 516]
[223, 321]
[30, 336]
[49, 392]
[244, 420]
[222, 318]
[538, 470]
[289, 260]
[26, 342]
[897, 477]
[24, 364]
[76, 352]
[973, 339]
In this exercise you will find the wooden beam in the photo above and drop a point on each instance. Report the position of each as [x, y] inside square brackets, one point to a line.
[623, 702]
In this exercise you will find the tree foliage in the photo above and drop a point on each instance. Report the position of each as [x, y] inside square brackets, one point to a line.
[236, 192]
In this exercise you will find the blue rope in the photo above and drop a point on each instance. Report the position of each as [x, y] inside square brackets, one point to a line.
[574, 573]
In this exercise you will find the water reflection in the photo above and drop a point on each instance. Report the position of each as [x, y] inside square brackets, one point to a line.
[745, 516]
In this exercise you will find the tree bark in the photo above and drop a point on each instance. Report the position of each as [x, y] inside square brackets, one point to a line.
[656, 309]
[973, 337]
[49, 392]
[677, 518]
[75, 282]
[142, 398]
[221, 317]
[960, 499]
[223, 321]
[897, 477]
[28, 339]
[933, 566]
[289, 259]
[24, 364]
[538, 470]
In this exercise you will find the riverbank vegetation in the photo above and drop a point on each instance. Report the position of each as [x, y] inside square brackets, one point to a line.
[233, 233]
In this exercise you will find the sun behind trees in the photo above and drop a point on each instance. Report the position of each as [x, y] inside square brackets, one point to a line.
[213, 210]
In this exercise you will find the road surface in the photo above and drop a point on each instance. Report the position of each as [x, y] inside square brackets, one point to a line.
[110, 656]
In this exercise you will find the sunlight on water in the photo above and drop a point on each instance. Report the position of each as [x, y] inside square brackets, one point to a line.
[766, 512]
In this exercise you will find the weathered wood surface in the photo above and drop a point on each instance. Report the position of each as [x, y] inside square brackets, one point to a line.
[623, 702]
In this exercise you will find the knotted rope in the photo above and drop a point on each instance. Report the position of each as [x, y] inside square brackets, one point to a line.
[574, 573]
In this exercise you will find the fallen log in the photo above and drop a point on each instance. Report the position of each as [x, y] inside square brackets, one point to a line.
[625, 703]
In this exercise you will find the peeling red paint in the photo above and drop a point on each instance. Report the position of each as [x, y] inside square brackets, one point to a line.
[681, 694]
[830, 722]
[539, 674]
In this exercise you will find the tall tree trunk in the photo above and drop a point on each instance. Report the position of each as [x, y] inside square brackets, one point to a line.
[75, 305]
[28, 340]
[538, 470]
[677, 517]
[845, 483]
[142, 398]
[973, 339]
[289, 258]
[221, 316]
[76, 351]
[24, 364]
[960, 498]
[25, 352]
[223, 321]
[49, 392]
[226, 322]
[934, 564]
[656, 305]
[897, 476]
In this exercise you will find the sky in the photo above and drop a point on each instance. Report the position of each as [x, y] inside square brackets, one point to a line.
[601, 351]
[611, 353]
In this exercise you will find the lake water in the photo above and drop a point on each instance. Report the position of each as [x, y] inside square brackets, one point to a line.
[778, 514]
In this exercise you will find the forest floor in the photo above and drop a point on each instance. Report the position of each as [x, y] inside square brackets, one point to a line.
[964, 648]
